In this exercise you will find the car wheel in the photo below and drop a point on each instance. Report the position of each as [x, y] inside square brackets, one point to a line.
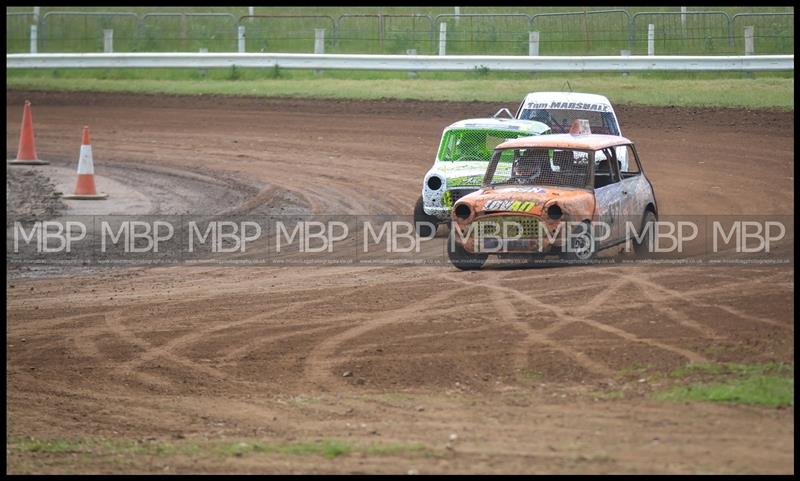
[461, 258]
[582, 246]
[422, 220]
[642, 248]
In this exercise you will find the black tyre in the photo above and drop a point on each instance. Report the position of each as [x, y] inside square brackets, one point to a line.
[462, 259]
[421, 220]
[643, 248]
[582, 246]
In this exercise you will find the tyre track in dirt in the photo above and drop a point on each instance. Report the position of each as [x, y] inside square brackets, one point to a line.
[176, 344]
[322, 356]
[593, 304]
[648, 287]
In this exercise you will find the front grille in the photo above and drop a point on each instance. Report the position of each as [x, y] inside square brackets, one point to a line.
[509, 226]
[453, 195]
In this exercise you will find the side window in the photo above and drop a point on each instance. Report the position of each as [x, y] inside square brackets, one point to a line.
[628, 165]
[507, 156]
[451, 146]
[604, 171]
[610, 124]
[448, 143]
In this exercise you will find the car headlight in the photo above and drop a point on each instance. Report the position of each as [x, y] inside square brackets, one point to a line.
[435, 182]
[463, 211]
[554, 211]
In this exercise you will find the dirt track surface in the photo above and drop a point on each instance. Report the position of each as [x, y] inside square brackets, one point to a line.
[29, 195]
[513, 362]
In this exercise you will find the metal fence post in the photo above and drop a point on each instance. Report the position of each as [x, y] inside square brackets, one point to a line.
[683, 18]
[241, 37]
[108, 40]
[749, 47]
[651, 39]
[631, 33]
[380, 30]
[533, 44]
[34, 35]
[731, 41]
[624, 53]
[203, 72]
[412, 52]
[36, 11]
[184, 33]
[319, 44]
[442, 38]
[319, 40]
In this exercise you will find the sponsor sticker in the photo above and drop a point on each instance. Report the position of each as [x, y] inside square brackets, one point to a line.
[510, 205]
[570, 106]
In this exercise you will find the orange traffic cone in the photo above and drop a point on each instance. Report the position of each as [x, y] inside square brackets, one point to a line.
[26, 153]
[85, 189]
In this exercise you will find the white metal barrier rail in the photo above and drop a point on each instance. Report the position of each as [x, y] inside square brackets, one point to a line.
[401, 62]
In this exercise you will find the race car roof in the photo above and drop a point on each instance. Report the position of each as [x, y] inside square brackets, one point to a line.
[566, 141]
[500, 124]
[567, 100]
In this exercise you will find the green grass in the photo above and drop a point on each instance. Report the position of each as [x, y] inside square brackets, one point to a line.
[533, 375]
[764, 384]
[102, 446]
[599, 34]
[41, 446]
[560, 35]
[762, 92]
[733, 368]
[398, 449]
[328, 448]
[770, 391]
[609, 395]
[387, 10]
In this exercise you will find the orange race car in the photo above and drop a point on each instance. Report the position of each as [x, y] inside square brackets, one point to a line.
[562, 194]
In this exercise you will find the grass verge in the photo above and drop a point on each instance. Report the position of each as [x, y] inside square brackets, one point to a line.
[762, 92]
[328, 448]
[768, 384]
[770, 391]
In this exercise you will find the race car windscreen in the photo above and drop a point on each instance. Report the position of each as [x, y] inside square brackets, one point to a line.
[473, 144]
[538, 166]
[560, 121]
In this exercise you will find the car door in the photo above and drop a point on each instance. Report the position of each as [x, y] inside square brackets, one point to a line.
[635, 190]
[608, 196]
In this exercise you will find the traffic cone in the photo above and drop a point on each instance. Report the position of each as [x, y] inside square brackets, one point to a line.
[85, 189]
[26, 153]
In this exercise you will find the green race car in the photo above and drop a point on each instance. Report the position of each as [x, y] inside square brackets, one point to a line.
[464, 153]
